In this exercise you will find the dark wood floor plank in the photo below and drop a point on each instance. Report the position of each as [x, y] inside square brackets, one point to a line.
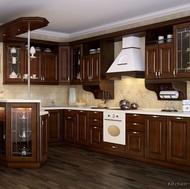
[71, 168]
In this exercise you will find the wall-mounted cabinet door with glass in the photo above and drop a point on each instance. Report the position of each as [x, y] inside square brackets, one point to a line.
[14, 65]
[182, 50]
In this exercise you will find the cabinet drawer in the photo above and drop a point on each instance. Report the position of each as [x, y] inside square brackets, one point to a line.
[135, 118]
[114, 147]
[96, 122]
[70, 113]
[95, 115]
[135, 126]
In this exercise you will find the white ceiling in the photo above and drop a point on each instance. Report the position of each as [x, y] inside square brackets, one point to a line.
[74, 17]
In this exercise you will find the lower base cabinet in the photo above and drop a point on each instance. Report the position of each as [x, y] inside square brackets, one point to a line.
[155, 137]
[55, 127]
[96, 129]
[135, 134]
[70, 123]
[178, 140]
[76, 126]
[23, 135]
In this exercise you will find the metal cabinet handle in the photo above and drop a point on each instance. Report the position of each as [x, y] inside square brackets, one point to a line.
[114, 147]
[155, 116]
[134, 132]
[135, 115]
[135, 124]
[179, 117]
[95, 127]
[95, 120]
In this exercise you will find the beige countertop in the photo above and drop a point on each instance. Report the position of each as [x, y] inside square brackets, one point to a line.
[144, 111]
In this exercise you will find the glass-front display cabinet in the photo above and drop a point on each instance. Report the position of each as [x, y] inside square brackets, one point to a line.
[21, 135]
[14, 62]
[76, 56]
[182, 50]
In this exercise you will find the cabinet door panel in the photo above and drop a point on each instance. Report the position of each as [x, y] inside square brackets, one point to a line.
[50, 67]
[178, 140]
[96, 136]
[166, 60]
[55, 132]
[82, 127]
[70, 129]
[35, 65]
[151, 61]
[64, 65]
[135, 143]
[155, 136]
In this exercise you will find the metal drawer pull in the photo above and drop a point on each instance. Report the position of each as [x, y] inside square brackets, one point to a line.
[179, 118]
[135, 123]
[135, 132]
[135, 115]
[95, 127]
[95, 120]
[155, 116]
[114, 147]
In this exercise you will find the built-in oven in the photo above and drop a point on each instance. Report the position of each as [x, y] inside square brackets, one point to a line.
[114, 127]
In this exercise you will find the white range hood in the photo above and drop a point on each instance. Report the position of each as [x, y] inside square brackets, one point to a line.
[130, 61]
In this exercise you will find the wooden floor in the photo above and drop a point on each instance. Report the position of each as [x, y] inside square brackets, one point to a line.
[70, 168]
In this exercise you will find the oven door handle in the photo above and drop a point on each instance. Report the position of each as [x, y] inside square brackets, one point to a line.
[112, 120]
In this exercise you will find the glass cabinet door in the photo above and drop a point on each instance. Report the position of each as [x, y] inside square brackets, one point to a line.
[21, 132]
[76, 64]
[14, 61]
[182, 45]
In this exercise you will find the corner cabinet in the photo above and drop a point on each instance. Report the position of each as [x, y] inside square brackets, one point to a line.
[21, 138]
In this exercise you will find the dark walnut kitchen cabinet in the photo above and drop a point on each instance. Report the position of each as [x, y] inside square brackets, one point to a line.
[159, 61]
[76, 126]
[182, 50]
[64, 65]
[44, 65]
[22, 135]
[14, 62]
[178, 140]
[155, 137]
[91, 68]
[82, 127]
[70, 126]
[44, 135]
[96, 129]
[90, 61]
[135, 134]
[76, 68]
[55, 127]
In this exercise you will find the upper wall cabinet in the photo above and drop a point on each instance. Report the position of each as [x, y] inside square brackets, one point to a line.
[90, 61]
[182, 50]
[159, 54]
[43, 68]
[14, 62]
